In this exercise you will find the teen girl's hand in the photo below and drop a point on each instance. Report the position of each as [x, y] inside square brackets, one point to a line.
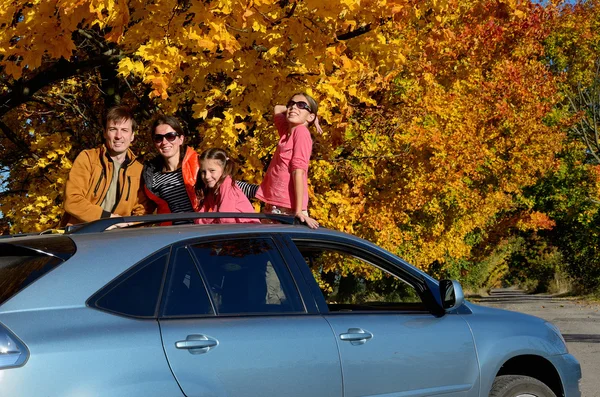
[310, 222]
[317, 125]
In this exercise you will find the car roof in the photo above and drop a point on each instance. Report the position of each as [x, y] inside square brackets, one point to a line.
[101, 256]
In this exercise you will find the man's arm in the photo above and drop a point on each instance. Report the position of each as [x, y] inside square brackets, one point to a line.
[78, 184]
[143, 205]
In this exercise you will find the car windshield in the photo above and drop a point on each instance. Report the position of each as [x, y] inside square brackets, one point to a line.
[24, 261]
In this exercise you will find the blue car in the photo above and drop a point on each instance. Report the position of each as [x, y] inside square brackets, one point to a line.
[248, 310]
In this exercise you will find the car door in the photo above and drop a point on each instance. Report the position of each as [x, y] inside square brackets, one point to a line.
[389, 342]
[234, 324]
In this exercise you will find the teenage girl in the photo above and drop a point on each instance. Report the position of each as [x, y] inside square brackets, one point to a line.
[217, 189]
[284, 189]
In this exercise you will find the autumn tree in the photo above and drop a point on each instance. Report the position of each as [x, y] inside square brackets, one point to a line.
[220, 66]
[436, 171]
[436, 112]
[571, 195]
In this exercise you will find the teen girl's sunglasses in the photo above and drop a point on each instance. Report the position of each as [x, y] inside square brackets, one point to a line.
[299, 105]
[170, 136]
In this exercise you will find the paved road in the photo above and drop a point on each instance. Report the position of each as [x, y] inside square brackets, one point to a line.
[578, 321]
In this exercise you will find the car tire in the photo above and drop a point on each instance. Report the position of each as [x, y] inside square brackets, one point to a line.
[519, 386]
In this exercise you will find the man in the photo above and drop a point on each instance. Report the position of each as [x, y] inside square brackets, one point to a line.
[105, 182]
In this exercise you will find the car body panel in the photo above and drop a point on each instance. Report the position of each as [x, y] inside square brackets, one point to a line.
[256, 356]
[398, 359]
[76, 350]
[499, 340]
[84, 352]
[570, 373]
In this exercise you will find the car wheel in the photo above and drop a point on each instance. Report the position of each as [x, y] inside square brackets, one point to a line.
[519, 386]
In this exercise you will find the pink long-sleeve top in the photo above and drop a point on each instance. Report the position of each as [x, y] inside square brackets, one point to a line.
[230, 199]
[292, 153]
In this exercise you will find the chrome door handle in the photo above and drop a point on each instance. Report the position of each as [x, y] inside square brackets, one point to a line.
[197, 344]
[356, 336]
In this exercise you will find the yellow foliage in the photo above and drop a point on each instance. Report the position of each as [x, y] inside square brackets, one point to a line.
[433, 110]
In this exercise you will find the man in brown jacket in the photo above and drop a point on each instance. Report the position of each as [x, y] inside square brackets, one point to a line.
[105, 182]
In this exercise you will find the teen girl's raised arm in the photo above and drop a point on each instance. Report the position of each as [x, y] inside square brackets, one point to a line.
[280, 120]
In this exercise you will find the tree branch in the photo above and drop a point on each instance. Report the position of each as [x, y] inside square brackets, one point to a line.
[10, 134]
[23, 90]
[354, 33]
[10, 192]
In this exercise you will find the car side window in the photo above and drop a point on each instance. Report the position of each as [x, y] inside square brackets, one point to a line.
[247, 276]
[135, 293]
[351, 283]
[185, 293]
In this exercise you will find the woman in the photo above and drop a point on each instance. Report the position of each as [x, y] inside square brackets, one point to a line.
[170, 177]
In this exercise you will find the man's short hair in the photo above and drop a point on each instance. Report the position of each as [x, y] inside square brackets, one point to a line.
[120, 113]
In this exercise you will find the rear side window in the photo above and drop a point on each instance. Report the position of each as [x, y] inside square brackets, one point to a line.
[134, 293]
[24, 261]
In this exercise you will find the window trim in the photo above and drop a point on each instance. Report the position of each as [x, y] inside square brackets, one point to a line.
[108, 287]
[169, 276]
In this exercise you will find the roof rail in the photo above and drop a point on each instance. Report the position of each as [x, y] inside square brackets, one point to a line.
[7, 236]
[101, 225]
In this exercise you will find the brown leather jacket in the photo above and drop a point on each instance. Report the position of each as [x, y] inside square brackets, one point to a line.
[88, 184]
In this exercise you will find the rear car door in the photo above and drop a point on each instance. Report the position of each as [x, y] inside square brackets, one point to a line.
[234, 323]
[390, 342]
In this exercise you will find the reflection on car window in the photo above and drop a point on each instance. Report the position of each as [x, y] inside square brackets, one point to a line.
[186, 294]
[136, 292]
[247, 276]
[349, 283]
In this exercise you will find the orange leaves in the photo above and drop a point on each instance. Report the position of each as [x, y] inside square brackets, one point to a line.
[433, 110]
[535, 221]
[458, 133]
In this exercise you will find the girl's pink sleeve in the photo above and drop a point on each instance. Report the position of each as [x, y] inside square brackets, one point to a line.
[302, 148]
[227, 200]
[281, 124]
[203, 221]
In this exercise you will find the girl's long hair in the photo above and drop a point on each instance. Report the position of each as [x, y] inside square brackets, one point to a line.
[229, 169]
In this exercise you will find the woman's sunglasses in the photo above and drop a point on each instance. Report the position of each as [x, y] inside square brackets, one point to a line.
[299, 105]
[158, 138]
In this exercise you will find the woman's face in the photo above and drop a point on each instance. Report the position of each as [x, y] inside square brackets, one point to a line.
[298, 111]
[211, 171]
[167, 141]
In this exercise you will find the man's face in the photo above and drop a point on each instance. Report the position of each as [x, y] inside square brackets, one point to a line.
[118, 136]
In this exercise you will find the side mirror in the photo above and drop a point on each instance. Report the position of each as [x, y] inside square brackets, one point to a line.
[451, 294]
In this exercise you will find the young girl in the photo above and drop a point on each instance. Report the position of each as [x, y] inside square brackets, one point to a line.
[285, 187]
[217, 189]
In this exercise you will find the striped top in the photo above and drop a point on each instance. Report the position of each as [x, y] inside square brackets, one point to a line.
[169, 187]
[249, 189]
